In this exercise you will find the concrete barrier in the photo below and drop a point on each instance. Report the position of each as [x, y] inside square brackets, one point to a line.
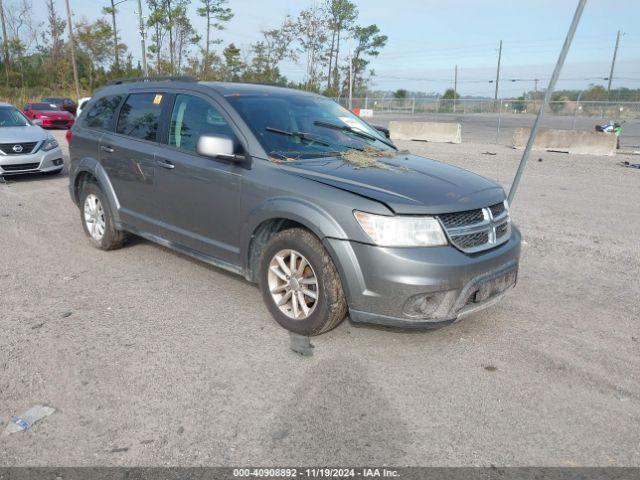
[426, 131]
[569, 141]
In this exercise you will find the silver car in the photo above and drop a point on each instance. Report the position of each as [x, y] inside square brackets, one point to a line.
[24, 146]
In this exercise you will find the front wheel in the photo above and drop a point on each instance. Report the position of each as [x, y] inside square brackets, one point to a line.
[300, 284]
[97, 219]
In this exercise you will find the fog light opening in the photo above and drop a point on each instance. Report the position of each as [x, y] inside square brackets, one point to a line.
[423, 305]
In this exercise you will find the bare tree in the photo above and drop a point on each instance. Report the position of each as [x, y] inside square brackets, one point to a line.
[312, 35]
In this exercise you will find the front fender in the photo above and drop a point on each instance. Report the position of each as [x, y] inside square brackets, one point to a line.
[316, 219]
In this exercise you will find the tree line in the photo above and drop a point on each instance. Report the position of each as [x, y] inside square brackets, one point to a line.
[36, 54]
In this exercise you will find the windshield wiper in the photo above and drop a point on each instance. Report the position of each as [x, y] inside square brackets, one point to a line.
[293, 156]
[355, 131]
[300, 135]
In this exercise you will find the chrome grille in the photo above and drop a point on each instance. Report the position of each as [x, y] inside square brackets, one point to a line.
[17, 148]
[470, 241]
[452, 220]
[476, 230]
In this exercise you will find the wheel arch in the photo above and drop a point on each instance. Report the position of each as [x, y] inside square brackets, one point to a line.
[89, 169]
[280, 214]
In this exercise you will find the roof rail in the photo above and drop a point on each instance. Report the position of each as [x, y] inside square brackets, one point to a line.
[180, 78]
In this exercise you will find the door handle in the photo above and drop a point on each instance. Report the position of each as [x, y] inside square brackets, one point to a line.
[104, 148]
[166, 164]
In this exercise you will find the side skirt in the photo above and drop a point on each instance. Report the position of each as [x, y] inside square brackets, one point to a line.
[183, 249]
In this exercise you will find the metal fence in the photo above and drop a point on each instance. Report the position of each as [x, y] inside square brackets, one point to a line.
[489, 121]
[611, 110]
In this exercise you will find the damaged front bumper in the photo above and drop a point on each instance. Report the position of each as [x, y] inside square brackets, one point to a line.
[422, 287]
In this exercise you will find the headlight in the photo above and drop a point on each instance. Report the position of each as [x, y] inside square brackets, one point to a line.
[402, 231]
[43, 116]
[49, 144]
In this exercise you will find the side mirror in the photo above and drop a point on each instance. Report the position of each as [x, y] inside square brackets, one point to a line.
[383, 130]
[217, 146]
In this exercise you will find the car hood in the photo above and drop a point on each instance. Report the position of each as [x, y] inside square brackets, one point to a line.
[407, 185]
[22, 134]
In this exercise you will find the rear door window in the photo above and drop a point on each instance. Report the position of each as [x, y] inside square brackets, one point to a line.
[140, 115]
[101, 115]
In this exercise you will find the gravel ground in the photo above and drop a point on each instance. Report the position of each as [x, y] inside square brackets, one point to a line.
[151, 358]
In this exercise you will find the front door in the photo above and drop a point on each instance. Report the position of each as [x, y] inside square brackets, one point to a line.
[201, 195]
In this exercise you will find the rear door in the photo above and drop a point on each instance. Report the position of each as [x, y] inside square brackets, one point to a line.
[201, 195]
[128, 155]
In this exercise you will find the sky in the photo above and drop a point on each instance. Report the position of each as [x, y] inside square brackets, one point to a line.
[428, 38]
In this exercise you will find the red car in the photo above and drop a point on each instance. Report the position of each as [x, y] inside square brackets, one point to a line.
[48, 115]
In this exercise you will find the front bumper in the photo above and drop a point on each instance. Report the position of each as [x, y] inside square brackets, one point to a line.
[40, 161]
[422, 287]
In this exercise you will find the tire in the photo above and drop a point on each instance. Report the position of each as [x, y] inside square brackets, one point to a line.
[111, 238]
[329, 307]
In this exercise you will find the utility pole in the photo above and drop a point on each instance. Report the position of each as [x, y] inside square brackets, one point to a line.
[455, 88]
[613, 63]
[535, 88]
[498, 71]
[350, 77]
[145, 73]
[72, 42]
[547, 97]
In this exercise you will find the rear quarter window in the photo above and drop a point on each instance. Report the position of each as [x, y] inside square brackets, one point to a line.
[101, 114]
[140, 115]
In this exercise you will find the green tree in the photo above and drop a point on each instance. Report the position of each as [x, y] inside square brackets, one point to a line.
[269, 52]
[400, 93]
[56, 65]
[369, 42]
[112, 10]
[446, 104]
[233, 64]
[342, 15]
[595, 93]
[216, 13]
[96, 41]
[169, 21]
[558, 102]
[450, 94]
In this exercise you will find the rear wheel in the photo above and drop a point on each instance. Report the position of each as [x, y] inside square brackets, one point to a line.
[300, 284]
[97, 219]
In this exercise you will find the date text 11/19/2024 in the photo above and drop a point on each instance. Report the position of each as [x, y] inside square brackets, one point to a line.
[315, 473]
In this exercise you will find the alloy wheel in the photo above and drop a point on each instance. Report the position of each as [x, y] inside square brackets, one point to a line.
[94, 217]
[293, 284]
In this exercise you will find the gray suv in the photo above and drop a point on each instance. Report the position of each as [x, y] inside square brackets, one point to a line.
[295, 193]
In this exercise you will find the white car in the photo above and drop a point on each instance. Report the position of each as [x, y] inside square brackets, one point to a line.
[81, 104]
[24, 146]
